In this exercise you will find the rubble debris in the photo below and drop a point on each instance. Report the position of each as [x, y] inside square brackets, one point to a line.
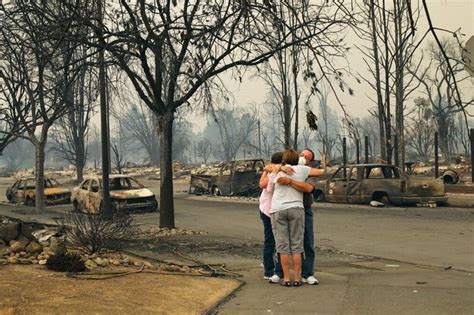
[157, 231]
[375, 203]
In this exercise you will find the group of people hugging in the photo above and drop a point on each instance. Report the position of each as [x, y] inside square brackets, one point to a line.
[287, 216]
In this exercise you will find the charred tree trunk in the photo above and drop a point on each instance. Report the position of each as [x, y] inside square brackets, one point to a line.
[380, 108]
[40, 157]
[166, 170]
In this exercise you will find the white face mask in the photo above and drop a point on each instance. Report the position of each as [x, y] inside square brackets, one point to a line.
[301, 161]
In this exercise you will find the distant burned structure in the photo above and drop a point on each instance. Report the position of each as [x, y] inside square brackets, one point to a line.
[233, 178]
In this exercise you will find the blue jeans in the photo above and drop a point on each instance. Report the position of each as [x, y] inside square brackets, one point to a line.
[307, 264]
[270, 264]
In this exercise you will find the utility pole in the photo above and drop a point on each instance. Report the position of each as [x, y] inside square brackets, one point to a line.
[259, 139]
[366, 150]
[472, 155]
[104, 127]
[436, 170]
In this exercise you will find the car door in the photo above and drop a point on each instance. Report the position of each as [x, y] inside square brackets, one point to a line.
[19, 193]
[93, 196]
[11, 191]
[337, 185]
[82, 192]
[353, 185]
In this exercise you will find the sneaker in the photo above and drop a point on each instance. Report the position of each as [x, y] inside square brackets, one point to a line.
[274, 279]
[266, 278]
[310, 280]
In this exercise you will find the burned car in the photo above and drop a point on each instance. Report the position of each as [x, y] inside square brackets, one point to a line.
[24, 191]
[126, 193]
[239, 177]
[362, 183]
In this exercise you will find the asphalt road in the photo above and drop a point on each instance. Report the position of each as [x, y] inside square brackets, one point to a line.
[431, 236]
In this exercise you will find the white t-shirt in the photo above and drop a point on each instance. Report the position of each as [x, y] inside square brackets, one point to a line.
[285, 196]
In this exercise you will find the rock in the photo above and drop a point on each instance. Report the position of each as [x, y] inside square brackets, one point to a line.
[19, 245]
[2, 243]
[9, 231]
[57, 246]
[43, 236]
[3, 261]
[26, 231]
[34, 261]
[90, 264]
[147, 264]
[23, 254]
[137, 264]
[42, 262]
[34, 248]
[102, 262]
[12, 260]
[24, 261]
[5, 251]
[115, 262]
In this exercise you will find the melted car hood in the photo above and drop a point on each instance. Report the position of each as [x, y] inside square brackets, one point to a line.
[133, 193]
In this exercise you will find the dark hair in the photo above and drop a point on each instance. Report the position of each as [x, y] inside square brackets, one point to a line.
[277, 157]
[312, 153]
[290, 157]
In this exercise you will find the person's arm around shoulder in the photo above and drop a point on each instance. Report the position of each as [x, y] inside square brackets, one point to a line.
[316, 172]
[263, 183]
[300, 186]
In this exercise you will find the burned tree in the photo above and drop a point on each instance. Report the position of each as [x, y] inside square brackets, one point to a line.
[389, 56]
[71, 131]
[308, 62]
[35, 57]
[171, 50]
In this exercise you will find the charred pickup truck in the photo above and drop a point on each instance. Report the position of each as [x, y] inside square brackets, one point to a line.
[362, 183]
[233, 178]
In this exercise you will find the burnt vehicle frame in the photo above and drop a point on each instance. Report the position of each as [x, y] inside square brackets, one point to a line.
[235, 178]
[126, 194]
[363, 183]
[23, 191]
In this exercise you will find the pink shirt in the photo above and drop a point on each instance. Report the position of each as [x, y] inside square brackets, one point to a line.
[267, 194]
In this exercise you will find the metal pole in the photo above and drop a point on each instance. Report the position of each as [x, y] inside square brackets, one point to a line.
[259, 139]
[104, 128]
[395, 142]
[472, 155]
[436, 170]
[366, 149]
[357, 151]
[344, 155]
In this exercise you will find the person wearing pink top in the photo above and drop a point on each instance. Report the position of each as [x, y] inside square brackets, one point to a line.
[271, 266]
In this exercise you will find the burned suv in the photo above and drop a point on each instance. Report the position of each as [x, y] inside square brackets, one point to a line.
[362, 183]
[126, 193]
[24, 191]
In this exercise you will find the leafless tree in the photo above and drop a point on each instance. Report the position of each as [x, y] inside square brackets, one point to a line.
[71, 131]
[204, 149]
[33, 37]
[420, 136]
[141, 124]
[389, 56]
[234, 130]
[309, 62]
[171, 51]
[438, 87]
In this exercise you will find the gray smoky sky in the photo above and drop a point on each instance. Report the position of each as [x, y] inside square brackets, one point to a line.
[445, 14]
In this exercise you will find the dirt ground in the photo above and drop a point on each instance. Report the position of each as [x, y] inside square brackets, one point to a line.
[44, 292]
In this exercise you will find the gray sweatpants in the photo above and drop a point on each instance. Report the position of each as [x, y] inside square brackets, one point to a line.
[288, 230]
